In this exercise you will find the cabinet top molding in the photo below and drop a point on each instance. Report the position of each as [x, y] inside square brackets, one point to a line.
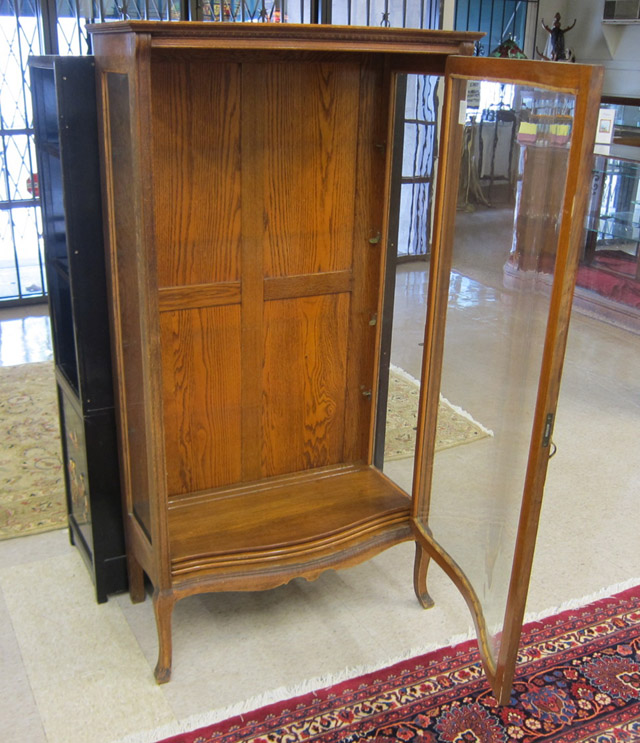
[290, 36]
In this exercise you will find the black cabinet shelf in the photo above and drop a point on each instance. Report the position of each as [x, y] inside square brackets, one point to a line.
[61, 267]
[51, 148]
[63, 89]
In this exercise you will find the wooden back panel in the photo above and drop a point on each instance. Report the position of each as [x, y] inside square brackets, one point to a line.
[197, 169]
[306, 137]
[266, 274]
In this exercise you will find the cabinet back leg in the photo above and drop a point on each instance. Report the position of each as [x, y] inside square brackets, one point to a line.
[420, 567]
[163, 602]
[136, 579]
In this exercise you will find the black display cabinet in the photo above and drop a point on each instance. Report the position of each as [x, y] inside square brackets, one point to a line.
[65, 123]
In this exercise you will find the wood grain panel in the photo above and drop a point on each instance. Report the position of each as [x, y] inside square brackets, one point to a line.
[313, 284]
[298, 516]
[303, 382]
[371, 205]
[253, 198]
[196, 162]
[201, 295]
[306, 137]
[202, 399]
[127, 298]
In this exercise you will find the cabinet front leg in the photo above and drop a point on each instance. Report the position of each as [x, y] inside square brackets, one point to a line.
[420, 567]
[163, 602]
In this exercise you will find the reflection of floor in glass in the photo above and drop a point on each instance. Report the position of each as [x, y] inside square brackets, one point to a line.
[30, 281]
[25, 335]
[590, 476]
[31, 278]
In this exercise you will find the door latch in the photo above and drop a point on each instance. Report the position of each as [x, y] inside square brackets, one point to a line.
[548, 430]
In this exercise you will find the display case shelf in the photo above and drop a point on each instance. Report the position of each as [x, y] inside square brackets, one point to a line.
[623, 225]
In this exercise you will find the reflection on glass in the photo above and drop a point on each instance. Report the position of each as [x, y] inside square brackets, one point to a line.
[415, 142]
[511, 191]
[613, 237]
[418, 160]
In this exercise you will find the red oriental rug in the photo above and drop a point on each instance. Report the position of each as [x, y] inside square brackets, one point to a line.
[578, 681]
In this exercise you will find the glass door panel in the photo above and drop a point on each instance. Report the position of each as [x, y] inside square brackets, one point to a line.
[501, 276]
[502, 266]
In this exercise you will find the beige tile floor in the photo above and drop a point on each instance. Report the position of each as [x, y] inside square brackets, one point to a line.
[76, 671]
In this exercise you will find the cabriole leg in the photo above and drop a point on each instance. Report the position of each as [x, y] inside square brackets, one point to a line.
[163, 602]
[420, 567]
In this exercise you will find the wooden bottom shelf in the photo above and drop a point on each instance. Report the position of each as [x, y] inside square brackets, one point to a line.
[302, 523]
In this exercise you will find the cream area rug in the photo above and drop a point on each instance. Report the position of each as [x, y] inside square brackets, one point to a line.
[32, 493]
[32, 497]
[454, 427]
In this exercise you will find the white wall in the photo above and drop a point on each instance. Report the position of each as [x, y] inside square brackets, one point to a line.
[616, 47]
[448, 11]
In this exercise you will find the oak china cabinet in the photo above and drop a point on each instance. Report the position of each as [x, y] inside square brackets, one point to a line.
[246, 189]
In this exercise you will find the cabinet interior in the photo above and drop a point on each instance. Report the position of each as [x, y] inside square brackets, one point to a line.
[264, 292]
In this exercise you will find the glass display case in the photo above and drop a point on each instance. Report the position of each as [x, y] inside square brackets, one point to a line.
[247, 176]
[626, 119]
[608, 281]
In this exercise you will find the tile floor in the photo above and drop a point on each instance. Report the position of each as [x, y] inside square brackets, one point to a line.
[73, 670]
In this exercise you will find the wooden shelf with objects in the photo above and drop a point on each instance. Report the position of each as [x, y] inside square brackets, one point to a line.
[65, 123]
[246, 173]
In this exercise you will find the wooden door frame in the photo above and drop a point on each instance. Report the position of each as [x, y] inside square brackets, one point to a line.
[584, 82]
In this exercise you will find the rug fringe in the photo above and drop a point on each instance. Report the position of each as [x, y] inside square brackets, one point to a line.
[463, 414]
[283, 693]
[404, 374]
[456, 408]
[603, 593]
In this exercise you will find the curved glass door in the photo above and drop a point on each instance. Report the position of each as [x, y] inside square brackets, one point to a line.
[512, 196]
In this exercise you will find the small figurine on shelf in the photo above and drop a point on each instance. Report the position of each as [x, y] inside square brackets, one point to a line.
[555, 50]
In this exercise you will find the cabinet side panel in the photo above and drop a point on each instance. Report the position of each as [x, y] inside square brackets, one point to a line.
[196, 154]
[369, 251]
[201, 374]
[303, 383]
[127, 263]
[306, 137]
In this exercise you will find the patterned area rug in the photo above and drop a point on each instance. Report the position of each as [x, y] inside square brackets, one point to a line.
[454, 427]
[578, 682]
[32, 497]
